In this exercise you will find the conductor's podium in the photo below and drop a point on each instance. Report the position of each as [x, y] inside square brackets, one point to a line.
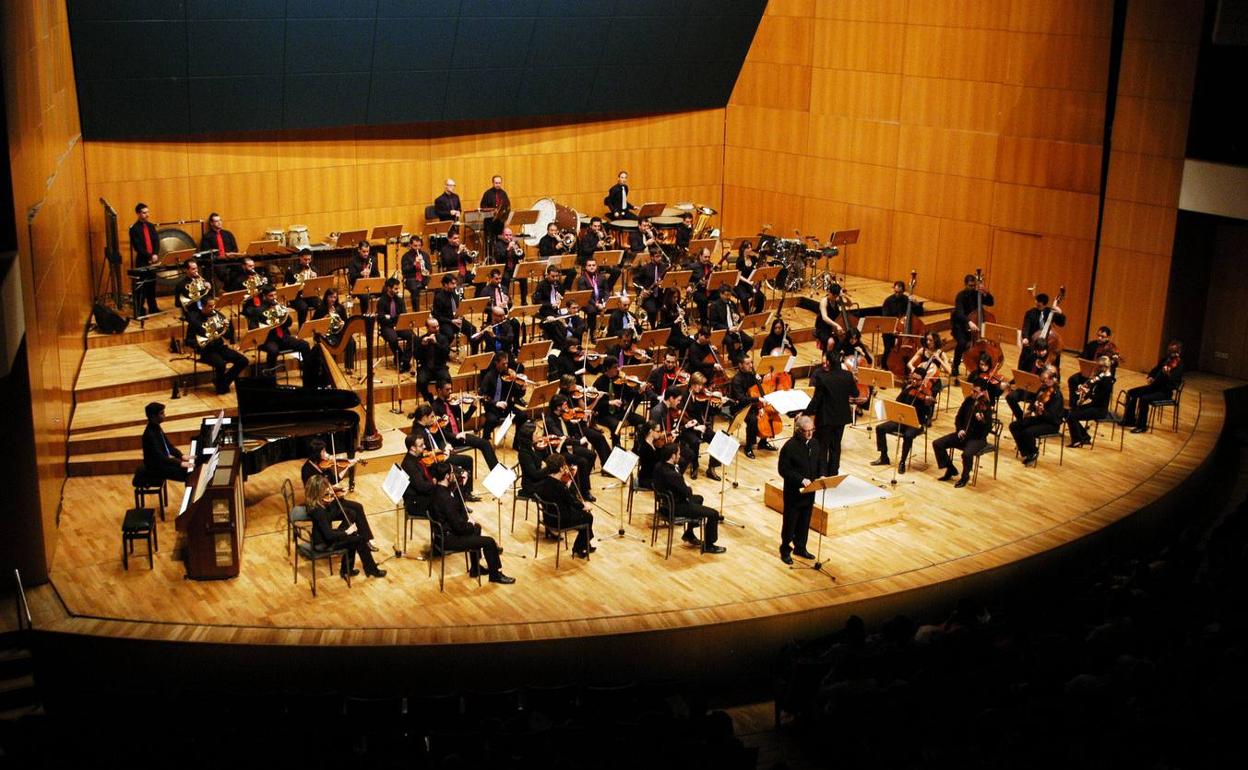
[854, 504]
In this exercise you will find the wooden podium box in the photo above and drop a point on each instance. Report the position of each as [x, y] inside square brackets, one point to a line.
[213, 519]
[829, 521]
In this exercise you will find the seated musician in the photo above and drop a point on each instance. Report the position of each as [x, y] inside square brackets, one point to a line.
[530, 453]
[668, 479]
[648, 278]
[598, 284]
[574, 361]
[558, 424]
[971, 426]
[509, 251]
[582, 427]
[626, 353]
[450, 409]
[415, 266]
[431, 351]
[419, 493]
[894, 306]
[144, 251]
[616, 201]
[703, 294]
[684, 232]
[455, 256]
[646, 444]
[281, 338]
[919, 393]
[551, 244]
[459, 532]
[1043, 416]
[434, 433]
[929, 359]
[702, 409]
[218, 238]
[1101, 345]
[299, 273]
[985, 377]
[322, 506]
[725, 314]
[963, 320]
[641, 239]
[500, 336]
[854, 352]
[667, 376]
[321, 463]
[447, 205]
[502, 392]
[593, 239]
[192, 284]
[739, 391]
[1034, 321]
[389, 307]
[161, 459]
[565, 329]
[446, 310]
[748, 295]
[828, 317]
[1034, 361]
[618, 403]
[362, 265]
[1090, 401]
[246, 275]
[329, 306]
[623, 318]
[209, 333]
[495, 289]
[670, 414]
[778, 340]
[702, 356]
[1163, 379]
[672, 317]
[557, 490]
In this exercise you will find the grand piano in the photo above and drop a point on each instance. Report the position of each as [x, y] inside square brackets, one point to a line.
[280, 421]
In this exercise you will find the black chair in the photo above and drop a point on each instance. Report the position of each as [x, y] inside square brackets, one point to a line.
[296, 515]
[437, 547]
[546, 513]
[146, 484]
[1058, 433]
[665, 517]
[993, 445]
[139, 524]
[518, 492]
[1174, 402]
[304, 547]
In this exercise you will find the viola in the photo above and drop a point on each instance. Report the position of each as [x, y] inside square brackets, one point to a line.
[512, 376]
[715, 397]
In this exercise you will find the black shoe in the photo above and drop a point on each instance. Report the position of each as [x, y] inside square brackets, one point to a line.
[578, 554]
[804, 554]
[1139, 430]
[901, 467]
[471, 498]
[690, 538]
[377, 573]
[693, 472]
[713, 549]
[784, 557]
[475, 571]
[590, 498]
[766, 446]
[1075, 444]
[499, 577]
[949, 473]
[882, 460]
[712, 475]
[961, 482]
[749, 453]
[373, 548]
[1031, 459]
[343, 573]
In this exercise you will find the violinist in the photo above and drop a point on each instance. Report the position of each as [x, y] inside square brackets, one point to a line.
[415, 266]
[320, 463]
[445, 308]
[1101, 345]
[460, 532]
[985, 377]
[668, 479]
[1044, 416]
[963, 319]
[929, 360]
[572, 360]
[432, 351]
[555, 422]
[1035, 363]
[739, 389]
[777, 342]
[226, 362]
[830, 406]
[530, 453]
[598, 285]
[894, 307]
[556, 490]
[623, 318]
[703, 359]
[827, 318]
[919, 393]
[749, 295]
[576, 415]
[389, 307]
[724, 315]
[672, 317]
[971, 427]
[419, 492]
[427, 426]
[646, 444]
[667, 376]
[700, 414]
[1034, 321]
[1162, 381]
[453, 420]
[1090, 401]
[670, 415]
[328, 306]
[502, 393]
[362, 264]
[626, 353]
[618, 403]
[701, 283]
[319, 500]
[648, 278]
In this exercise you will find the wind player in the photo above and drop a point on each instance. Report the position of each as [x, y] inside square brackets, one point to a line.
[599, 287]
[445, 308]
[415, 266]
[1090, 401]
[431, 352]
[226, 362]
[668, 478]
[616, 201]
[684, 233]
[1044, 416]
[724, 315]
[389, 308]
[218, 238]
[971, 427]
[648, 278]
[362, 264]
[454, 256]
[965, 311]
[327, 306]
[191, 309]
[509, 251]
[280, 338]
[701, 281]
[456, 419]
[624, 319]
[918, 392]
[593, 239]
[144, 251]
[299, 273]
[1101, 345]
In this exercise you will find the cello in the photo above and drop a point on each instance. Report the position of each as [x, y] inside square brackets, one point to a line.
[982, 345]
[909, 331]
[770, 422]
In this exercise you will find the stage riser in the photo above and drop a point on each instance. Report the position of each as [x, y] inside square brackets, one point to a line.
[202, 379]
[122, 443]
[128, 337]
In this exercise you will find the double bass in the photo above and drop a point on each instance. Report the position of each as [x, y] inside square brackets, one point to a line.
[909, 331]
[982, 345]
[1048, 332]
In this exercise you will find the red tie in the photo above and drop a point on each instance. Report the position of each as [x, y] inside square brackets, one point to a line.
[220, 244]
[450, 413]
[147, 238]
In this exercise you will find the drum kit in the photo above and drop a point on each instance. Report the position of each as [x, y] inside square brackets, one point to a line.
[798, 261]
[572, 223]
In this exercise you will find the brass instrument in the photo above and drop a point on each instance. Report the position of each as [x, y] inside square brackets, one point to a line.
[569, 239]
[607, 241]
[195, 290]
[215, 326]
[252, 284]
[642, 318]
[305, 275]
[275, 314]
[335, 323]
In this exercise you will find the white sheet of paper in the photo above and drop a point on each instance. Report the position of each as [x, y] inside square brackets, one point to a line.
[500, 433]
[861, 321]
[877, 409]
[499, 480]
[395, 484]
[620, 463]
[786, 401]
[724, 447]
[788, 365]
[851, 491]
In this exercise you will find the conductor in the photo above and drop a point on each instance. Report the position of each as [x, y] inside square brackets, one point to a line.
[801, 462]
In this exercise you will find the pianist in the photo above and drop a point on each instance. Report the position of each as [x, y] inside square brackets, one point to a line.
[161, 459]
[323, 509]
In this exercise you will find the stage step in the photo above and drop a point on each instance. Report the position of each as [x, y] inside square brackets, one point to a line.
[127, 411]
[158, 328]
[180, 433]
[105, 463]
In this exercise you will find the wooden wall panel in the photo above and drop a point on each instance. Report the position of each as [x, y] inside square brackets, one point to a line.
[1055, 61]
[859, 10]
[956, 53]
[872, 95]
[1130, 299]
[949, 197]
[858, 45]
[946, 151]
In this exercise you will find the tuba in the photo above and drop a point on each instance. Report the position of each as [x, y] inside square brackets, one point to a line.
[276, 314]
[195, 291]
[215, 327]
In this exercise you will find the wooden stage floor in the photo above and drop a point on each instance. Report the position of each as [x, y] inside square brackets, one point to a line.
[628, 587]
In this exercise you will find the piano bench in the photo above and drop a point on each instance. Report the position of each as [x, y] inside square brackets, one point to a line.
[145, 485]
[139, 524]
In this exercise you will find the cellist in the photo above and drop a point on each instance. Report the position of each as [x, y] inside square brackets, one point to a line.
[739, 389]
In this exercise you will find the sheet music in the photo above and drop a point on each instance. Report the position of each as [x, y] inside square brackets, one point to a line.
[851, 491]
[877, 409]
[395, 484]
[724, 447]
[620, 463]
[499, 480]
[786, 401]
[205, 475]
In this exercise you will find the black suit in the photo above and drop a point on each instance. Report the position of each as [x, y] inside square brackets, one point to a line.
[577, 454]
[616, 202]
[1026, 429]
[976, 425]
[419, 493]
[226, 362]
[1033, 321]
[415, 266]
[887, 430]
[1094, 406]
[620, 321]
[494, 389]
[353, 510]
[446, 310]
[444, 204]
[326, 536]
[571, 511]
[209, 242]
[141, 256]
[1141, 398]
[302, 305]
[530, 459]
[966, 309]
[831, 410]
[669, 479]
[459, 533]
[388, 311]
[161, 459]
[799, 459]
[458, 424]
[435, 439]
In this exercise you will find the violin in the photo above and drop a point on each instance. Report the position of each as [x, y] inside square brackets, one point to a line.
[628, 379]
[462, 398]
[512, 376]
[585, 392]
[1042, 400]
[715, 397]
[431, 456]
[329, 463]
[575, 413]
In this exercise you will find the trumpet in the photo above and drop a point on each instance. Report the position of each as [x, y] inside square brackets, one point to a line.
[215, 326]
[608, 240]
[569, 239]
[195, 290]
[305, 275]
[517, 248]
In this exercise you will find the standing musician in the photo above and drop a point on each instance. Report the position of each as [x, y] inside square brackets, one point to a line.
[320, 463]
[1044, 416]
[677, 427]
[724, 315]
[144, 251]
[778, 340]
[593, 239]
[556, 490]
[1034, 321]
[329, 306]
[971, 427]
[161, 459]
[668, 479]
[684, 233]
[415, 266]
[552, 244]
[965, 310]
[618, 403]
[701, 283]
[192, 282]
[509, 252]
[1101, 345]
[827, 319]
[599, 287]
[834, 387]
[749, 295]
[389, 308]
[217, 238]
[431, 351]
[800, 462]
[208, 332]
[739, 391]
[425, 425]
[624, 319]
[895, 307]
[319, 499]
[455, 257]
[447, 205]
[496, 198]
[616, 201]
[919, 393]
[575, 445]
[453, 421]
[299, 273]
[502, 392]
[362, 265]
[1034, 363]
[647, 278]
[460, 532]
[1090, 401]
[672, 317]
[1162, 381]
[445, 308]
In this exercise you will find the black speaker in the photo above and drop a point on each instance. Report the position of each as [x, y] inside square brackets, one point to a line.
[108, 320]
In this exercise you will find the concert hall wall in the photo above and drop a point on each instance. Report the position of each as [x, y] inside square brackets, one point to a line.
[50, 206]
[968, 133]
[148, 68]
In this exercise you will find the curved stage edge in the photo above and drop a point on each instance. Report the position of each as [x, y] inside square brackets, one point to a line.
[734, 641]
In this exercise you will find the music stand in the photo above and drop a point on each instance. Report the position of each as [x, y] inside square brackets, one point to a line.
[252, 338]
[771, 364]
[876, 325]
[411, 320]
[1088, 368]
[579, 297]
[287, 292]
[755, 321]
[1027, 381]
[350, 238]
[653, 338]
[677, 279]
[310, 328]
[696, 245]
[522, 218]
[541, 395]
[835, 241]
[316, 287]
[533, 351]
[231, 300]
[366, 288]
[721, 278]
[768, 273]
[386, 232]
[902, 415]
[815, 487]
[881, 379]
[437, 227]
[609, 258]
[561, 261]
[1001, 334]
[717, 338]
[474, 363]
[603, 344]
[733, 428]
[640, 371]
[530, 270]
[648, 210]
[257, 248]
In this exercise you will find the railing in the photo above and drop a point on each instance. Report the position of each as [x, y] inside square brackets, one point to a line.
[24, 621]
